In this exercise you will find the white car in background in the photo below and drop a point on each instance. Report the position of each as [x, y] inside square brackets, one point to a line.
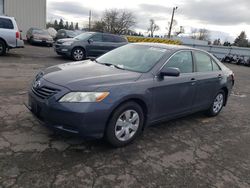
[10, 36]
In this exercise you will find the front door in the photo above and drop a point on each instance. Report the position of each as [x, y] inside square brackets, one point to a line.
[175, 95]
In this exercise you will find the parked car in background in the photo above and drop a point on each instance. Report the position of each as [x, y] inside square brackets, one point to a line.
[88, 44]
[10, 36]
[127, 89]
[39, 36]
[63, 33]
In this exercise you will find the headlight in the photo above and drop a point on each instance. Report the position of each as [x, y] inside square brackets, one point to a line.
[84, 97]
[67, 43]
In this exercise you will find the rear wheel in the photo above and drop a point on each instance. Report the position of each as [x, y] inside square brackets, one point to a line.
[78, 54]
[217, 105]
[2, 48]
[125, 124]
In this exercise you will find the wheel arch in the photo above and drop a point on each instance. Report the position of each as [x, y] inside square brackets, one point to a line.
[226, 94]
[4, 42]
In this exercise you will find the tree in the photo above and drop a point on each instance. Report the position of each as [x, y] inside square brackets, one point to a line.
[200, 34]
[56, 25]
[71, 27]
[118, 21]
[61, 24]
[76, 26]
[217, 42]
[226, 43]
[66, 25]
[99, 26]
[241, 40]
[152, 27]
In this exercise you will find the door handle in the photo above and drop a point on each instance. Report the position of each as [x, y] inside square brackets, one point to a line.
[193, 81]
[220, 76]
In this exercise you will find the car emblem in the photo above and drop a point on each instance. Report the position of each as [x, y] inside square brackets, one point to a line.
[37, 84]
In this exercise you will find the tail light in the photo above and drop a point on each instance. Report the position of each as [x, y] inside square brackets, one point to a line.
[17, 35]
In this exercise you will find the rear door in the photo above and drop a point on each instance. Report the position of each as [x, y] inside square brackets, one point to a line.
[109, 42]
[7, 31]
[208, 78]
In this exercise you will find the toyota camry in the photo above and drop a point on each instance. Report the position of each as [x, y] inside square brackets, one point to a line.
[127, 89]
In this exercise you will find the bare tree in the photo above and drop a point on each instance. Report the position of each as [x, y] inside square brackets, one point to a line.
[152, 27]
[200, 34]
[115, 21]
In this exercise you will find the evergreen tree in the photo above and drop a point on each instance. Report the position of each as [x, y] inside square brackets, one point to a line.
[76, 26]
[67, 25]
[241, 40]
[56, 25]
[61, 24]
[71, 27]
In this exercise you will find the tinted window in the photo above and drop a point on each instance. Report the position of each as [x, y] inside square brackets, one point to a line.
[108, 38]
[134, 57]
[119, 39]
[97, 38]
[215, 66]
[183, 61]
[6, 23]
[203, 62]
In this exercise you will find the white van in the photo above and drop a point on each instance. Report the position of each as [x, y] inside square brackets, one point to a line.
[10, 36]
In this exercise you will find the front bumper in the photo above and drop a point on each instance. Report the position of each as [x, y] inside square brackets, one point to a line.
[86, 119]
[63, 50]
[40, 41]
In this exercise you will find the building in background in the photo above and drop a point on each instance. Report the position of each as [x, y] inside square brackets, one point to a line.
[28, 13]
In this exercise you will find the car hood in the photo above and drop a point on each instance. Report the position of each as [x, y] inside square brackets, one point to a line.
[66, 40]
[87, 75]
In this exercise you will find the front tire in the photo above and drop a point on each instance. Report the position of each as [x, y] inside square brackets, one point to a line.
[125, 124]
[3, 48]
[217, 105]
[78, 54]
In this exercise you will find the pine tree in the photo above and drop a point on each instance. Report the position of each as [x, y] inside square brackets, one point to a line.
[241, 40]
[61, 24]
[76, 26]
[71, 27]
[67, 25]
[56, 25]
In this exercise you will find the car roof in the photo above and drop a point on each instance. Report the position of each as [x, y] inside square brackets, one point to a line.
[2, 16]
[166, 46]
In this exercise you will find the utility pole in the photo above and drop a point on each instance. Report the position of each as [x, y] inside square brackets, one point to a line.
[171, 23]
[90, 15]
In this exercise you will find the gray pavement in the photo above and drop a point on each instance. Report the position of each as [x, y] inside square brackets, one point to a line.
[194, 151]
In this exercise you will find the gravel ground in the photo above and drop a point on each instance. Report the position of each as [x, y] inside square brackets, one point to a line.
[194, 151]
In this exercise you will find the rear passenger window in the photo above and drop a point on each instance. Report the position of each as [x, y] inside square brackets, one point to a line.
[6, 23]
[203, 62]
[108, 38]
[97, 38]
[215, 66]
[119, 39]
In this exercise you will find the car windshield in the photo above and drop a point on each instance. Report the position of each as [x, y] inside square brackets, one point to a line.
[83, 36]
[41, 32]
[71, 33]
[138, 58]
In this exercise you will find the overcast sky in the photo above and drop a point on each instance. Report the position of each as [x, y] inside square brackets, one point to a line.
[225, 18]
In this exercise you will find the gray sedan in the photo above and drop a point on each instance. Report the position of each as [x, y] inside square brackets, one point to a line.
[120, 93]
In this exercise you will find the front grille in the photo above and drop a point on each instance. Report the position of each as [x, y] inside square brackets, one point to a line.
[44, 92]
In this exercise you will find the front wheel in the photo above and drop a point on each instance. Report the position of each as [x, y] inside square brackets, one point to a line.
[125, 124]
[217, 105]
[2, 48]
[78, 54]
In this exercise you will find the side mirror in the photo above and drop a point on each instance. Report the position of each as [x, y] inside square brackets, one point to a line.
[170, 71]
[90, 41]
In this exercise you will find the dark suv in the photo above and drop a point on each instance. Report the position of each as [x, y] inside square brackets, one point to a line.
[89, 44]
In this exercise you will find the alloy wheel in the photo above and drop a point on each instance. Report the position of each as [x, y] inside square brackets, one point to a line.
[78, 54]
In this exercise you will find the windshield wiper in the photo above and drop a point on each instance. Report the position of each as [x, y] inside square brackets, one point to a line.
[112, 65]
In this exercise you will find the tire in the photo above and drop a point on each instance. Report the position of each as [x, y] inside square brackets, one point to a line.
[78, 54]
[125, 124]
[3, 48]
[217, 105]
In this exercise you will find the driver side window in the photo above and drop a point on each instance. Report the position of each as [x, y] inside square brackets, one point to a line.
[97, 38]
[183, 61]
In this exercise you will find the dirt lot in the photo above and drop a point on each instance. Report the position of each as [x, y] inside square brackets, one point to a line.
[195, 151]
